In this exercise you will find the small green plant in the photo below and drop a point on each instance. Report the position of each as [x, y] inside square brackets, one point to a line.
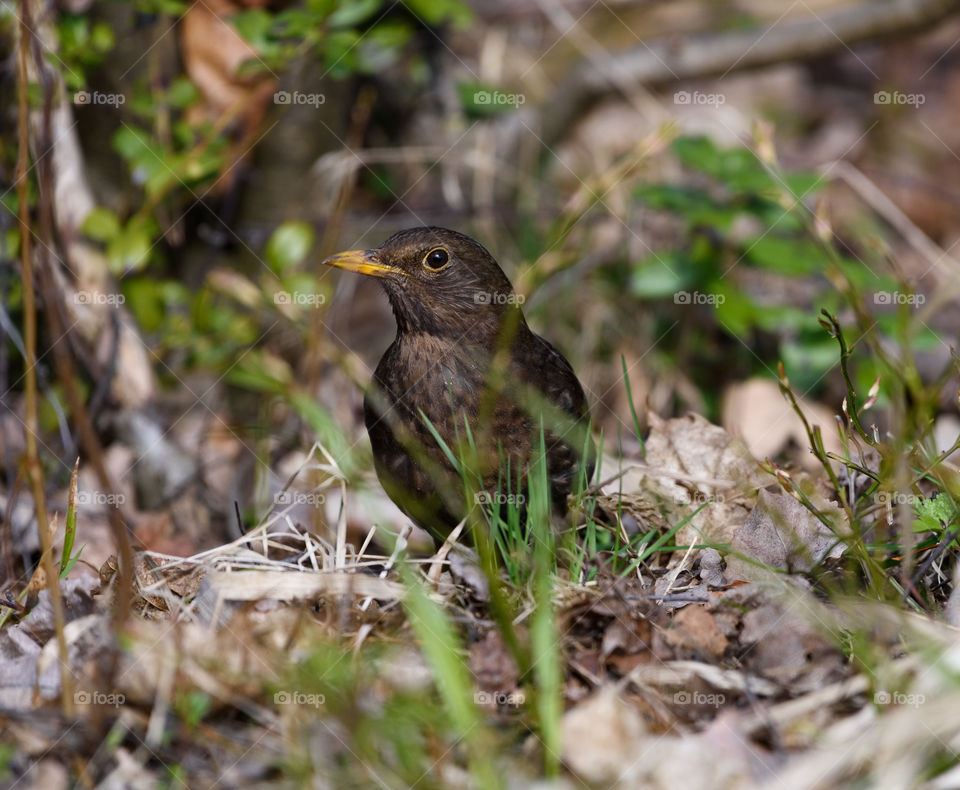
[192, 707]
[67, 558]
[398, 733]
[895, 468]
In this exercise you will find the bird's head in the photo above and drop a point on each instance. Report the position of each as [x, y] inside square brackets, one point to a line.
[440, 282]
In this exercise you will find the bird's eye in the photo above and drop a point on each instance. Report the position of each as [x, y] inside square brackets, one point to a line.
[436, 259]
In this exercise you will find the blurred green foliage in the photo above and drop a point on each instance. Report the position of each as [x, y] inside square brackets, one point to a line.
[740, 215]
[83, 45]
[360, 37]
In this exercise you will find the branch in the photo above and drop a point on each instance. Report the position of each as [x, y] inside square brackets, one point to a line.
[34, 470]
[668, 60]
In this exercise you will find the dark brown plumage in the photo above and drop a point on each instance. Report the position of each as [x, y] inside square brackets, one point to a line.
[463, 355]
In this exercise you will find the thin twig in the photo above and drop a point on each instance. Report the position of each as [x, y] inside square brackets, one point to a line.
[34, 470]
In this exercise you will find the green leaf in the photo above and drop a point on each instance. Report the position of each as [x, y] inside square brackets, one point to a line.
[737, 169]
[351, 14]
[192, 707]
[130, 249]
[736, 312]
[785, 255]
[803, 184]
[261, 371]
[434, 12]
[781, 319]
[71, 562]
[174, 8]
[479, 100]
[307, 25]
[70, 527]
[933, 514]
[100, 224]
[697, 152]
[670, 197]
[322, 8]
[381, 47]
[252, 67]
[288, 245]
[254, 26]
[131, 143]
[102, 38]
[658, 277]
[182, 93]
[338, 52]
[202, 166]
[808, 359]
[10, 244]
[145, 301]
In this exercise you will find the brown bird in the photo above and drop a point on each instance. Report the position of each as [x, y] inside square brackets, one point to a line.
[466, 368]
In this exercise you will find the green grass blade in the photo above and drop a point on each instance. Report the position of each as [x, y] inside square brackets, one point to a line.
[442, 650]
[70, 530]
[633, 411]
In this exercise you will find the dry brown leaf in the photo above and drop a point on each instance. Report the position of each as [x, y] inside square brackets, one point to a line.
[28, 648]
[602, 736]
[780, 533]
[690, 461]
[787, 648]
[493, 668]
[694, 629]
[299, 585]
[756, 411]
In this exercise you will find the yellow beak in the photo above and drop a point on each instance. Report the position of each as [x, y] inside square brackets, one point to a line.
[364, 262]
